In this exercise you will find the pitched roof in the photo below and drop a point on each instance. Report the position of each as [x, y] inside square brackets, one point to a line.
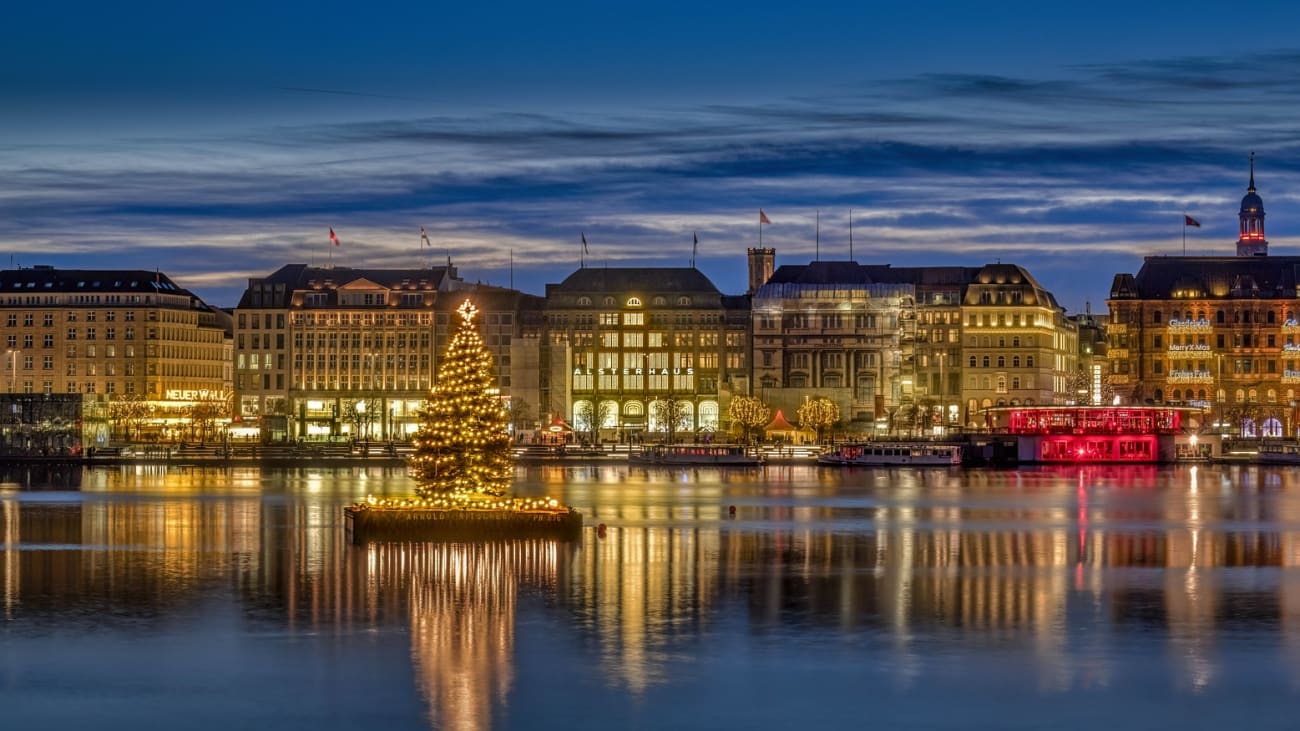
[634, 279]
[1164, 277]
[277, 288]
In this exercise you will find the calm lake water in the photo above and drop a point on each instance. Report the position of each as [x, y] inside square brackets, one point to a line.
[1080, 598]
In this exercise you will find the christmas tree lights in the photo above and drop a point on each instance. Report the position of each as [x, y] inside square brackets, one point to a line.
[463, 446]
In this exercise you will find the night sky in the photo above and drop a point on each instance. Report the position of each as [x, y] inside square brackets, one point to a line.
[221, 141]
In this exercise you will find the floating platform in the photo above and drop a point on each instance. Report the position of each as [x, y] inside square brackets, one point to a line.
[366, 524]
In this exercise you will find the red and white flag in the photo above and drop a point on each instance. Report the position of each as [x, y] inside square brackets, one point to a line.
[762, 217]
[333, 236]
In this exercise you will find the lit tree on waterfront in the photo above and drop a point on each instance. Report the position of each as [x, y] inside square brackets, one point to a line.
[749, 413]
[818, 414]
[463, 445]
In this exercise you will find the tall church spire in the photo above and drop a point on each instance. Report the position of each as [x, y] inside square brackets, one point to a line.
[1251, 241]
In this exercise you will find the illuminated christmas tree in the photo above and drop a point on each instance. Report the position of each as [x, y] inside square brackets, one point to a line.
[463, 446]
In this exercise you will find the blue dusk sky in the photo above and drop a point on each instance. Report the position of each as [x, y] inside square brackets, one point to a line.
[219, 141]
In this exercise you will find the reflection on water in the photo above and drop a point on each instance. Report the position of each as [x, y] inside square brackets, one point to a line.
[1073, 578]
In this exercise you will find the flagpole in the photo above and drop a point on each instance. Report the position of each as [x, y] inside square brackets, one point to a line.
[817, 256]
[1184, 234]
[760, 228]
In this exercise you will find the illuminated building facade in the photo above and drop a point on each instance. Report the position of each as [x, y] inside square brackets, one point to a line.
[334, 352]
[1020, 346]
[914, 350]
[114, 335]
[1217, 333]
[620, 339]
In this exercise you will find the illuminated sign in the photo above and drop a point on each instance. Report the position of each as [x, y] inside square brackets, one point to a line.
[193, 395]
[1189, 324]
[1184, 348]
[1182, 376]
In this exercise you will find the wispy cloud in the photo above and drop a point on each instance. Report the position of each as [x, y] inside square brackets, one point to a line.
[1099, 162]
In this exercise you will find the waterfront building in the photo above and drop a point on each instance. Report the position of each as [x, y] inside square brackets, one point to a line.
[910, 350]
[1020, 345]
[834, 329]
[1217, 333]
[117, 336]
[637, 349]
[338, 352]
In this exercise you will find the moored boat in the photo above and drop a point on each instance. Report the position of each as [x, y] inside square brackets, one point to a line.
[727, 455]
[882, 454]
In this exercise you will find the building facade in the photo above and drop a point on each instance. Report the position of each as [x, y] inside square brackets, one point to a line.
[634, 350]
[117, 336]
[1218, 333]
[333, 352]
[909, 350]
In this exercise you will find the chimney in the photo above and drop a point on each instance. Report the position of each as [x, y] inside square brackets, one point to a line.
[762, 262]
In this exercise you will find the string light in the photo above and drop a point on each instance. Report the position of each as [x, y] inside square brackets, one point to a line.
[463, 458]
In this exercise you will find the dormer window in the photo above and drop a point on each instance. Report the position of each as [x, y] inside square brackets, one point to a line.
[584, 301]
[633, 301]
[683, 300]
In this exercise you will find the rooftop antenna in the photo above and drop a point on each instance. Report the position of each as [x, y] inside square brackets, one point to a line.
[818, 236]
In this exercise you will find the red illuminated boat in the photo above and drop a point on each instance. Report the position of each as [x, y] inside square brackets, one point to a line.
[1083, 434]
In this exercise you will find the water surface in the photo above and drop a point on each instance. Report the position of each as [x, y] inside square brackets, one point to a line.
[206, 598]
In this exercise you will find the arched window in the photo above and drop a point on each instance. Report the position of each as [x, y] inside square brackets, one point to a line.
[986, 403]
[1178, 394]
[986, 341]
[1002, 342]
[582, 416]
[1241, 395]
[1252, 396]
[986, 361]
[660, 301]
[1002, 361]
[1156, 318]
[683, 300]
[584, 301]
[609, 301]
[1248, 428]
[1200, 394]
[1015, 341]
[708, 416]
[1272, 396]
[634, 408]
[972, 361]
[1272, 317]
[1160, 395]
[633, 301]
[1271, 428]
[1015, 383]
[1002, 384]
[1015, 361]
[608, 415]
[1029, 361]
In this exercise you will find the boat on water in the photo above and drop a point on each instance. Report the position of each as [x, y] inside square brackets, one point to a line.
[884, 454]
[719, 455]
[1279, 453]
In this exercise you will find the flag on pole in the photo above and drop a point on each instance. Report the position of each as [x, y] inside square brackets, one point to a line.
[762, 217]
[695, 246]
[333, 237]
[584, 243]
[1189, 221]
[424, 238]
